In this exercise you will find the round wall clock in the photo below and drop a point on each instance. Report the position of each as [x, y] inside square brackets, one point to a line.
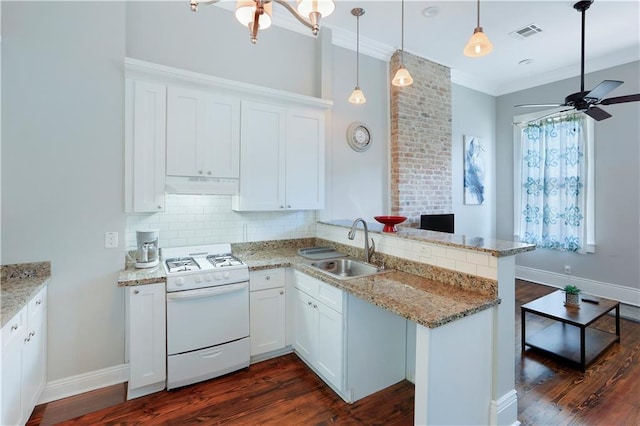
[358, 136]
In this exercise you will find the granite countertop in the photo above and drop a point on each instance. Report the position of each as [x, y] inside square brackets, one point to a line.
[424, 301]
[497, 248]
[131, 276]
[428, 302]
[19, 283]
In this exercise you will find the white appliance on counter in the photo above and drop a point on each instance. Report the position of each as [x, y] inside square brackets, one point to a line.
[207, 313]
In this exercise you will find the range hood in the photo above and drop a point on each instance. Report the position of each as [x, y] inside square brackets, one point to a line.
[201, 185]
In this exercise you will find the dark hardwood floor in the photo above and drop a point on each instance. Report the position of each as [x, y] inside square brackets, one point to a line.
[284, 391]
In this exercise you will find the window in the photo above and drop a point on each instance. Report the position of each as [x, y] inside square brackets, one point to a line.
[553, 182]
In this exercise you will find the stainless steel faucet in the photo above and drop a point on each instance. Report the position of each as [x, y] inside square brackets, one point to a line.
[368, 252]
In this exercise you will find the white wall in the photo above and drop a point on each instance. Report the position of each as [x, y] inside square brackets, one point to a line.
[617, 257]
[62, 184]
[473, 114]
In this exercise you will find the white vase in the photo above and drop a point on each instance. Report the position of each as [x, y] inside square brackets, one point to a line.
[572, 300]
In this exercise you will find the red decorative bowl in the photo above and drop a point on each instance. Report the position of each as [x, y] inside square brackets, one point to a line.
[390, 222]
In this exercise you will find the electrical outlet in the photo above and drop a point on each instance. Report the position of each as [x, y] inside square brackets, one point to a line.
[567, 269]
[110, 240]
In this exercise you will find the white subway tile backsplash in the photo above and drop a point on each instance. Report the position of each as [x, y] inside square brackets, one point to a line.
[487, 272]
[457, 255]
[478, 258]
[208, 219]
[466, 267]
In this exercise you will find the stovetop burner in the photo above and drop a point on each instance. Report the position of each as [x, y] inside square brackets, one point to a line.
[225, 260]
[182, 264]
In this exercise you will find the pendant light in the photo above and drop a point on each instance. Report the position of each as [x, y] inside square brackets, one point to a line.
[402, 77]
[479, 44]
[357, 97]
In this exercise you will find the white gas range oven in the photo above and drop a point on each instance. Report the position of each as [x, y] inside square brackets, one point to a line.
[207, 313]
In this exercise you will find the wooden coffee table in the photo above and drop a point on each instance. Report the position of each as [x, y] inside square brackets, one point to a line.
[570, 336]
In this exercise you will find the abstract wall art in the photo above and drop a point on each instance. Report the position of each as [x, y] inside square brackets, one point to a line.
[474, 170]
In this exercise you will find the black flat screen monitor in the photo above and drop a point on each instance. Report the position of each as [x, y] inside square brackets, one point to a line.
[437, 222]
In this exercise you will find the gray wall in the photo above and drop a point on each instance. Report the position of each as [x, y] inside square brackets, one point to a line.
[473, 114]
[617, 197]
[63, 172]
[63, 149]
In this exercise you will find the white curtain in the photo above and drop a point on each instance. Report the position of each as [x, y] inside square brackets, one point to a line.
[553, 201]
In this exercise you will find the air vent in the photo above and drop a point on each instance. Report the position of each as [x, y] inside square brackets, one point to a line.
[527, 31]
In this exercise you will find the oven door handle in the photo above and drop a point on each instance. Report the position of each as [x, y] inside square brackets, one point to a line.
[206, 292]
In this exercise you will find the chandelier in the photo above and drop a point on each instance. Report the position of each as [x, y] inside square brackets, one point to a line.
[256, 14]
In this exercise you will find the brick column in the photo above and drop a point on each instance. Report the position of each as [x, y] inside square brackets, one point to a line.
[421, 140]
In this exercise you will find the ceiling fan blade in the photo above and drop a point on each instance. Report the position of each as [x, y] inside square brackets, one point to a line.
[597, 114]
[537, 105]
[621, 99]
[603, 88]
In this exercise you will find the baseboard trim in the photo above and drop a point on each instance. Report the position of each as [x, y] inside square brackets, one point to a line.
[75, 385]
[504, 410]
[628, 297]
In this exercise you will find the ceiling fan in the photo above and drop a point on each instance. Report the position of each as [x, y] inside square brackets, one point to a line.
[587, 101]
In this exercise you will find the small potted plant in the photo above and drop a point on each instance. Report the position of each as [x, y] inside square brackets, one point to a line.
[572, 296]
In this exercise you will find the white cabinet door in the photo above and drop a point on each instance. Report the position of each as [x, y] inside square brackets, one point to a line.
[145, 118]
[329, 353]
[262, 154]
[267, 308]
[33, 353]
[203, 134]
[282, 152]
[13, 336]
[147, 335]
[305, 159]
[304, 329]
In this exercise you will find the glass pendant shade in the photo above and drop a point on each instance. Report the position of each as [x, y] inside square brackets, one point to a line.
[245, 9]
[478, 45]
[357, 97]
[323, 7]
[402, 78]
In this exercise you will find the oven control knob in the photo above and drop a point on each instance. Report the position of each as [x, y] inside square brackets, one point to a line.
[179, 281]
[217, 276]
[226, 275]
[207, 278]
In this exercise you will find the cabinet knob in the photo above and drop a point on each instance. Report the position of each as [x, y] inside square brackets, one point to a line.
[159, 207]
[33, 333]
[288, 206]
[315, 306]
[309, 303]
[136, 291]
[282, 207]
[38, 302]
[209, 172]
[200, 171]
[14, 327]
[281, 291]
[268, 277]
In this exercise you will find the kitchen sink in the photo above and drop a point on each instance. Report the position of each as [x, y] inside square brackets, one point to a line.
[344, 269]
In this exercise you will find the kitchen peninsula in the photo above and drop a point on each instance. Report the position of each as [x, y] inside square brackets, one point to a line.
[457, 294]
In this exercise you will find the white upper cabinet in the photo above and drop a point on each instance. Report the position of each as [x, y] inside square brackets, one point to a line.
[203, 134]
[145, 115]
[282, 158]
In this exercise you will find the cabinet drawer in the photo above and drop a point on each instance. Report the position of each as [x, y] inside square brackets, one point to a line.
[307, 284]
[14, 328]
[265, 279]
[330, 296]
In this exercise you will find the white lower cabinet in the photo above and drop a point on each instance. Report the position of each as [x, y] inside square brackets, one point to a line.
[146, 339]
[267, 299]
[354, 346]
[24, 340]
